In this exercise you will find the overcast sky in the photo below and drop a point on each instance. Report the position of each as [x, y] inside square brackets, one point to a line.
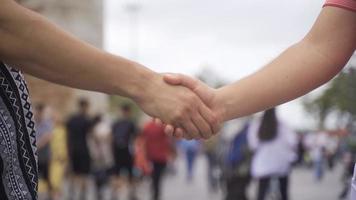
[232, 37]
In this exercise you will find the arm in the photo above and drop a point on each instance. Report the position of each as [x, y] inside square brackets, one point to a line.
[298, 70]
[39, 48]
[301, 68]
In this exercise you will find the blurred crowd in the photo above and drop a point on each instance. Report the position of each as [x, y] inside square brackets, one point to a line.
[117, 152]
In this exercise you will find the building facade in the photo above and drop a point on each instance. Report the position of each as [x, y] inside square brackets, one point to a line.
[84, 19]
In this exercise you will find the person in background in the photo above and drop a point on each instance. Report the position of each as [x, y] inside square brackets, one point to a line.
[300, 150]
[274, 146]
[331, 148]
[210, 150]
[318, 154]
[124, 132]
[237, 163]
[159, 149]
[78, 127]
[59, 156]
[100, 151]
[191, 149]
[44, 126]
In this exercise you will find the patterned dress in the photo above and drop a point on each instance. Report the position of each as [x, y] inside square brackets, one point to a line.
[18, 157]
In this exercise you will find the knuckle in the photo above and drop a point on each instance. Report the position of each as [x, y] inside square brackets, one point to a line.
[178, 115]
[214, 120]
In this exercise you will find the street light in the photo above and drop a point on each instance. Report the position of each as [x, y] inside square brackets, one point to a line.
[133, 9]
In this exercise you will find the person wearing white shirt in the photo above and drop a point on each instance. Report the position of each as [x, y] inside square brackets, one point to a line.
[274, 146]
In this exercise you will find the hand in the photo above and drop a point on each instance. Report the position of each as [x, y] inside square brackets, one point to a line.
[178, 106]
[206, 94]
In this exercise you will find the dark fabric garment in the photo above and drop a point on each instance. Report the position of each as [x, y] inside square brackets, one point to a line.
[80, 163]
[123, 161]
[264, 185]
[236, 187]
[78, 127]
[18, 163]
[213, 165]
[124, 132]
[43, 173]
[190, 157]
[156, 176]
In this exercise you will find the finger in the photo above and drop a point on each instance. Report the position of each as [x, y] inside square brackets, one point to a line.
[179, 133]
[191, 129]
[169, 129]
[209, 117]
[204, 128]
[172, 78]
[197, 86]
[158, 122]
[180, 79]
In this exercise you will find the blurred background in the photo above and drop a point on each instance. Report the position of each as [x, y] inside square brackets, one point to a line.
[94, 146]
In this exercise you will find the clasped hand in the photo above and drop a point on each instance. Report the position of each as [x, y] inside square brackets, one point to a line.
[187, 107]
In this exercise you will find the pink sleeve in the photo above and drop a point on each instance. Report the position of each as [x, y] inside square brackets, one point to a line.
[346, 4]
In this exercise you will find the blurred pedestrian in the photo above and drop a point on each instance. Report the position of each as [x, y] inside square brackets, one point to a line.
[44, 127]
[159, 148]
[59, 156]
[300, 150]
[210, 150]
[274, 146]
[78, 127]
[100, 151]
[237, 165]
[191, 149]
[318, 154]
[348, 171]
[124, 132]
[331, 148]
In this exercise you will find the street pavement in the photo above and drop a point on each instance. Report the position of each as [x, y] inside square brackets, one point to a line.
[302, 186]
[175, 187]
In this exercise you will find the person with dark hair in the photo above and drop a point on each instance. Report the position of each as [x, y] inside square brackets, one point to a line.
[274, 146]
[44, 127]
[78, 127]
[124, 132]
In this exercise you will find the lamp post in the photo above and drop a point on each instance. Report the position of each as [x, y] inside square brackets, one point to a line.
[133, 9]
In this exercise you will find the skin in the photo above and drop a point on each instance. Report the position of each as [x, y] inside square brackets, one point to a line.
[304, 66]
[34, 45]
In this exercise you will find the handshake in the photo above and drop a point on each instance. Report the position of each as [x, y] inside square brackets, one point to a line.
[186, 106]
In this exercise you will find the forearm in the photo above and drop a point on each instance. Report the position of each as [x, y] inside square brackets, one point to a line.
[39, 48]
[298, 70]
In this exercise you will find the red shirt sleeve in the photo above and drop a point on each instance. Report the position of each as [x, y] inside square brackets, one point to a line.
[346, 4]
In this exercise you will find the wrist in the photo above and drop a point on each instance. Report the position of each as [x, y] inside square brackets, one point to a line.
[223, 104]
[141, 85]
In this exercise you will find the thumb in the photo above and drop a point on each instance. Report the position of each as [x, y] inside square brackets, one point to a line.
[172, 79]
[179, 79]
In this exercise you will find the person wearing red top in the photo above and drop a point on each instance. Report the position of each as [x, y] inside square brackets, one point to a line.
[158, 150]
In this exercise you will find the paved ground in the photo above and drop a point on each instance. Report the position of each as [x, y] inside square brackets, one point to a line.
[303, 187]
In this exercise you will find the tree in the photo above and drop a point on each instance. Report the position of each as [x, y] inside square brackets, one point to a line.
[339, 98]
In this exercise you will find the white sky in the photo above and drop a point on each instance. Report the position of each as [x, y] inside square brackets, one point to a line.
[233, 37]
